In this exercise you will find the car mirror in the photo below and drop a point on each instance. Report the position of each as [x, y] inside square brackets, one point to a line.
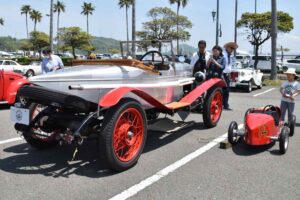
[181, 59]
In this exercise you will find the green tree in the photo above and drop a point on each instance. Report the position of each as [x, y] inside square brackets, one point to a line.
[73, 38]
[59, 7]
[126, 4]
[163, 26]
[1, 21]
[36, 17]
[25, 10]
[39, 40]
[25, 45]
[258, 27]
[87, 9]
[179, 3]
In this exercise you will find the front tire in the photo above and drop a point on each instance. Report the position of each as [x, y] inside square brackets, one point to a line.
[284, 140]
[35, 136]
[123, 135]
[249, 86]
[29, 73]
[212, 108]
[232, 133]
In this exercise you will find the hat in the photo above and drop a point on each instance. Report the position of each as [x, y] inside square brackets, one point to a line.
[291, 71]
[231, 45]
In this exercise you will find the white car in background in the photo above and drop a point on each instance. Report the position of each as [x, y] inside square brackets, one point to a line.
[27, 70]
[245, 77]
[291, 63]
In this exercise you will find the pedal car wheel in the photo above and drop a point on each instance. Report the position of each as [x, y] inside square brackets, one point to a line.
[233, 138]
[212, 108]
[284, 140]
[37, 137]
[292, 126]
[123, 135]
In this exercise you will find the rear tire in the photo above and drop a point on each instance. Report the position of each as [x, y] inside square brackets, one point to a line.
[232, 133]
[29, 73]
[213, 106]
[292, 126]
[284, 140]
[123, 135]
[37, 141]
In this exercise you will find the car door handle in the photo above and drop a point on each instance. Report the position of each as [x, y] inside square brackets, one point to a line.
[11, 79]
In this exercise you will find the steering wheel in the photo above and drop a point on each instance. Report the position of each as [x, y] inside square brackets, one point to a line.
[152, 61]
[269, 107]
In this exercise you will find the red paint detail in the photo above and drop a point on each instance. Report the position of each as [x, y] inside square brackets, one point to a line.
[115, 95]
[216, 106]
[7, 79]
[128, 134]
[201, 89]
[234, 76]
[169, 94]
[11, 92]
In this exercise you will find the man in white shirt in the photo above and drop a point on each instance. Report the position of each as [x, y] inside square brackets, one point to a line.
[51, 62]
[200, 58]
[228, 50]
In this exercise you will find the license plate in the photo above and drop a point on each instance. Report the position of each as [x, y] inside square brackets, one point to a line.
[19, 115]
[232, 84]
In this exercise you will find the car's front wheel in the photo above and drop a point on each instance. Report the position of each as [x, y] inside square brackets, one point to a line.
[249, 86]
[29, 73]
[213, 107]
[123, 135]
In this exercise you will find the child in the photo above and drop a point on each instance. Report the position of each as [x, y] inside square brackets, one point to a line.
[289, 90]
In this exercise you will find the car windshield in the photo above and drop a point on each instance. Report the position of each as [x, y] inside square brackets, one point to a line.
[142, 47]
[1, 62]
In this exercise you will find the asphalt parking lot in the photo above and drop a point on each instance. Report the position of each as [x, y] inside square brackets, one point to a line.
[187, 164]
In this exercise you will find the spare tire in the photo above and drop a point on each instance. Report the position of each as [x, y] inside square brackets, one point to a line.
[46, 96]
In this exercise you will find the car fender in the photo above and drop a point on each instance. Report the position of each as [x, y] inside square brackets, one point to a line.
[115, 95]
[11, 92]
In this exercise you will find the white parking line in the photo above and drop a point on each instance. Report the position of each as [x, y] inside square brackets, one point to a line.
[10, 140]
[169, 169]
[269, 90]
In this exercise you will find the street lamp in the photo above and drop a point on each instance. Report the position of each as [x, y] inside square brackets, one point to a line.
[215, 14]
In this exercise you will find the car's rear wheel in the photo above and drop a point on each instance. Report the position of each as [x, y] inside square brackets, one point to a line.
[37, 137]
[292, 125]
[284, 140]
[29, 73]
[123, 135]
[213, 107]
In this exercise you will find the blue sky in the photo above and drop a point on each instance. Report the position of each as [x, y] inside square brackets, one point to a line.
[109, 21]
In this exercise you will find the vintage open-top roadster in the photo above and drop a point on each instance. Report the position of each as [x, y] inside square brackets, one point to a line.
[112, 100]
[262, 126]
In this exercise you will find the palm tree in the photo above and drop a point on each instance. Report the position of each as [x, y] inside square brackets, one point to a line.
[51, 25]
[126, 4]
[59, 7]
[36, 17]
[25, 10]
[87, 9]
[133, 28]
[179, 3]
[1, 21]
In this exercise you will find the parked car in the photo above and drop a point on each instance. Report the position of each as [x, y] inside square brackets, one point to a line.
[10, 82]
[264, 63]
[293, 63]
[245, 60]
[27, 70]
[112, 100]
[104, 56]
[245, 77]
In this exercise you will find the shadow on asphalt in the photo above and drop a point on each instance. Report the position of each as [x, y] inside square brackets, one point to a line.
[4, 107]
[242, 90]
[157, 139]
[56, 162]
[243, 149]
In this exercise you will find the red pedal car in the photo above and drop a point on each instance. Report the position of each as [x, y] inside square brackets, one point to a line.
[262, 127]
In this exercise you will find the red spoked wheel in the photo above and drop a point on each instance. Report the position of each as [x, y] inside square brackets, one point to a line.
[212, 108]
[123, 134]
[128, 134]
[37, 137]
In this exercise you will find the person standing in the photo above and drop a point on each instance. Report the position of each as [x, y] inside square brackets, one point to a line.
[200, 58]
[228, 50]
[51, 62]
[216, 64]
[289, 90]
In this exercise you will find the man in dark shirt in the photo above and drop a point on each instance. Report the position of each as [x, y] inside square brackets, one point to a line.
[200, 58]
